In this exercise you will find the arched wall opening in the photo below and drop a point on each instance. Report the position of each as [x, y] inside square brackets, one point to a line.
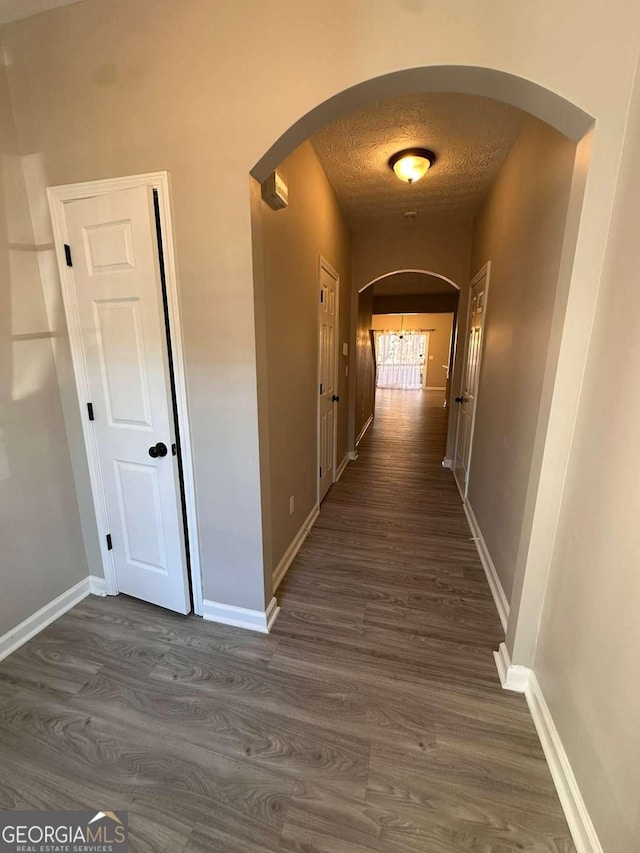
[443, 299]
[390, 273]
[528, 96]
[566, 119]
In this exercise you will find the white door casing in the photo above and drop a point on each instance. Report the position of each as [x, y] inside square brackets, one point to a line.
[114, 306]
[468, 399]
[425, 369]
[327, 377]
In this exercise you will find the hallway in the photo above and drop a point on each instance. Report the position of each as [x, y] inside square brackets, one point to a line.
[387, 606]
[371, 719]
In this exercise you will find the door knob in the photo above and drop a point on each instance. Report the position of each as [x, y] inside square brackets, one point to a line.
[459, 399]
[336, 398]
[158, 449]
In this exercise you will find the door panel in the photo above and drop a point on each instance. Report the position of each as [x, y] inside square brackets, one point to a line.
[109, 247]
[327, 381]
[140, 508]
[118, 294]
[122, 361]
[470, 381]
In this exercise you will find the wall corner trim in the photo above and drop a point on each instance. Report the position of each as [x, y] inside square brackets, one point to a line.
[512, 676]
[523, 680]
[499, 597]
[290, 554]
[32, 625]
[341, 467]
[364, 429]
[97, 586]
[241, 617]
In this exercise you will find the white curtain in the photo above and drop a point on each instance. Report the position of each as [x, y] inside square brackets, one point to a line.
[400, 359]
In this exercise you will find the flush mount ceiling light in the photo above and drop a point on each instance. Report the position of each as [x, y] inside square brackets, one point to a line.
[412, 164]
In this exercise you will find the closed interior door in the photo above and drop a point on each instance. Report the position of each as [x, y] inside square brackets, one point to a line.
[116, 279]
[327, 382]
[468, 399]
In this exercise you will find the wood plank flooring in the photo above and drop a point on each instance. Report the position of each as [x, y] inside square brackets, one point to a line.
[370, 721]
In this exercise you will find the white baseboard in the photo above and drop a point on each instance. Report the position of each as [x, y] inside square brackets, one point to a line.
[31, 626]
[289, 555]
[447, 463]
[241, 617]
[523, 680]
[500, 599]
[352, 456]
[456, 478]
[341, 467]
[364, 429]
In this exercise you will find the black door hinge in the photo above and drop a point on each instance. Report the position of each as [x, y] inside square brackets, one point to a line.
[321, 472]
[174, 449]
[90, 411]
[321, 387]
[109, 543]
[67, 255]
[322, 296]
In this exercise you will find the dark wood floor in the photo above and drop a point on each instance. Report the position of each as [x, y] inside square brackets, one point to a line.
[370, 720]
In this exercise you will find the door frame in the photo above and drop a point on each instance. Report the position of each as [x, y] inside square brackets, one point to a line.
[484, 270]
[58, 196]
[426, 358]
[323, 264]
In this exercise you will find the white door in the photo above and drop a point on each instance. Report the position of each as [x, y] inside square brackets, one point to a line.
[468, 399]
[116, 279]
[327, 380]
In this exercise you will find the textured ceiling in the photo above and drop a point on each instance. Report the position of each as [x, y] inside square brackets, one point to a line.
[13, 10]
[411, 283]
[471, 137]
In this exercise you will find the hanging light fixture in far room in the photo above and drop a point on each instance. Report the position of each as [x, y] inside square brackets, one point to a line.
[412, 164]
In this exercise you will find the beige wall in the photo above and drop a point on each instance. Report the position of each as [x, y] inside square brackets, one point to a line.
[443, 246]
[439, 339]
[192, 87]
[41, 548]
[520, 230]
[292, 241]
[432, 303]
[365, 362]
[589, 642]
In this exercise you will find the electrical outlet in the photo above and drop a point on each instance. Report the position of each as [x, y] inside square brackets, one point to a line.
[292, 504]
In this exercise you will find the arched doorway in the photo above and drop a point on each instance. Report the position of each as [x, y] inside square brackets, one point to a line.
[413, 292]
[571, 121]
[542, 103]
